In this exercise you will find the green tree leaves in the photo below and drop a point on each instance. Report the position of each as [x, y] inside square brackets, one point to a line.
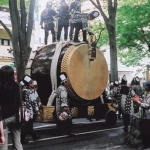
[133, 32]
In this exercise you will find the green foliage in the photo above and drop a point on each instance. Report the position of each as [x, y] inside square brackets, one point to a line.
[96, 28]
[133, 32]
[3, 2]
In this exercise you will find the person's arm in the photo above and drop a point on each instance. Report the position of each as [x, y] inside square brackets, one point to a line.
[2, 138]
[146, 104]
[41, 20]
[58, 102]
[34, 104]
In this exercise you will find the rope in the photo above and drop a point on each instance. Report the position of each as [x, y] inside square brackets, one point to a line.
[53, 73]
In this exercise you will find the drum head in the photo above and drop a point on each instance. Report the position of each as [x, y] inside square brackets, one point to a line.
[88, 79]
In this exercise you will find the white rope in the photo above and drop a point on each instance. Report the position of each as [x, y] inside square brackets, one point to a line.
[53, 73]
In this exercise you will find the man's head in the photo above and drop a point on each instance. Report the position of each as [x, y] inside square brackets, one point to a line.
[28, 81]
[63, 78]
[48, 5]
[137, 80]
[146, 86]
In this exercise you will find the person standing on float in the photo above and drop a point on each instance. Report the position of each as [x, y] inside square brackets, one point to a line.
[63, 21]
[79, 20]
[47, 18]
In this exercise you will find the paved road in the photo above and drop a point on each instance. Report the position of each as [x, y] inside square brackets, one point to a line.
[89, 136]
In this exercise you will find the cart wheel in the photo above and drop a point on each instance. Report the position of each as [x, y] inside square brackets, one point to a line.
[111, 118]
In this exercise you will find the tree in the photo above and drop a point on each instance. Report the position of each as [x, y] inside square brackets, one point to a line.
[3, 2]
[21, 33]
[133, 32]
[100, 32]
[110, 22]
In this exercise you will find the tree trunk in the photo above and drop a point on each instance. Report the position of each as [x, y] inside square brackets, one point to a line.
[111, 28]
[113, 53]
[21, 34]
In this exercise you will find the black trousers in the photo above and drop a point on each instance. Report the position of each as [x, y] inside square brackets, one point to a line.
[71, 31]
[47, 28]
[64, 126]
[65, 31]
[78, 27]
[27, 128]
[126, 119]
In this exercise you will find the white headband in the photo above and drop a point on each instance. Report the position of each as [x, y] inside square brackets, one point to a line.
[116, 82]
[27, 79]
[34, 82]
[63, 78]
[21, 83]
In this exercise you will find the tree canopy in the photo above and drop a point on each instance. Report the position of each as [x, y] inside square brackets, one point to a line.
[133, 32]
[3, 2]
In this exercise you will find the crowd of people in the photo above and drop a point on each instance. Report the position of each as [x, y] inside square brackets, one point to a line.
[133, 101]
[19, 105]
[67, 16]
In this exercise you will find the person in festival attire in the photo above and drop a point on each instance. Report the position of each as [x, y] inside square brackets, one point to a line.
[10, 102]
[145, 104]
[135, 84]
[36, 93]
[114, 95]
[47, 18]
[30, 102]
[63, 113]
[79, 21]
[126, 104]
[63, 21]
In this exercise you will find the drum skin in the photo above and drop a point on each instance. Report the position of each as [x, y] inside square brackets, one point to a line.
[87, 79]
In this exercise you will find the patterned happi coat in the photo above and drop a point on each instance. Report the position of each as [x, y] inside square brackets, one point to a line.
[62, 102]
[124, 99]
[146, 104]
[30, 101]
[77, 16]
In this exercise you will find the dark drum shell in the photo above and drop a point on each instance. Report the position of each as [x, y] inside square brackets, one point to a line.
[87, 79]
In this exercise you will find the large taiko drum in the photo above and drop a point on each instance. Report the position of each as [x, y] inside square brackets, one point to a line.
[87, 79]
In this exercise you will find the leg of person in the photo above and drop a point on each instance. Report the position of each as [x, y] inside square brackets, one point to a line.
[71, 31]
[68, 127]
[66, 32]
[119, 112]
[145, 141]
[77, 29]
[15, 130]
[59, 127]
[5, 145]
[24, 130]
[46, 37]
[126, 121]
[31, 131]
[51, 27]
[84, 35]
[59, 32]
